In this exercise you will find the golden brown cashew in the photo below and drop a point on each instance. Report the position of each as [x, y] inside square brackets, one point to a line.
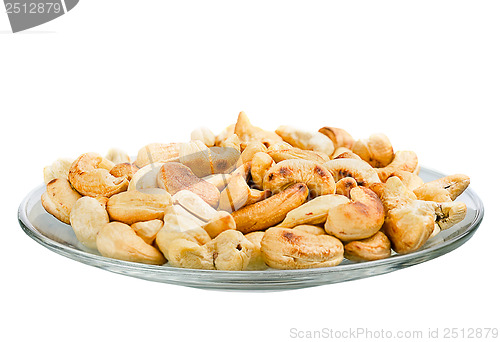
[345, 185]
[409, 222]
[338, 136]
[362, 217]
[271, 211]
[248, 133]
[220, 222]
[285, 248]
[118, 241]
[376, 150]
[445, 189]
[59, 199]
[375, 247]
[89, 179]
[124, 170]
[315, 176]
[360, 170]
[308, 228]
[403, 161]
[138, 205]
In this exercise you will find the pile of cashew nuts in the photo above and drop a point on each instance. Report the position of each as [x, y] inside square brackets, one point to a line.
[252, 199]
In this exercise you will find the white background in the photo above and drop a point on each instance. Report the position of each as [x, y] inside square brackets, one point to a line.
[119, 73]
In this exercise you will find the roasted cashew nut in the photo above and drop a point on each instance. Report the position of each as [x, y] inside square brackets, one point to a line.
[339, 137]
[313, 212]
[375, 247]
[361, 171]
[205, 135]
[231, 251]
[261, 162]
[305, 140]
[358, 219]
[403, 161]
[285, 248]
[297, 153]
[58, 169]
[59, 199]
[86, 176]
[317, 177]
[376, 150]
[256, 261]
[237, 194]
[157, 152]
[119, 241]
[87, 218]
[445, 189]
[249, 133]
[271, 211]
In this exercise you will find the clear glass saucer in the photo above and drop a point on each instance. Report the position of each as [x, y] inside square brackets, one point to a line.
[59, 238]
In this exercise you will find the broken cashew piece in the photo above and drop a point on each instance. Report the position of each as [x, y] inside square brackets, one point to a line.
[59, 199]
[205, 135]
[358, 219]
[231, 251]
[220, 222]
[86, 176]
[285, 248]
[338, 136]
[261, 162]
[147, 230]
[256, 261]
[237, 194]
[445, 189]
[317, 178]
[249, 133]
[58, 169]
[117, 156]
[297, 153]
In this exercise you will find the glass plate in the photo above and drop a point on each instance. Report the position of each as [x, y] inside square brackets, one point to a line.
[59, 237]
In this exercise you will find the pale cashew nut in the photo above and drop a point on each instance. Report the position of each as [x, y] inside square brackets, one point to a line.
[339, 137]
[271, 211]
[188, 254]
[297, 153]
[157, 152]
[119, 241]
[58, 169]
[359, 219]
[134, 205]
[361, 171]
[306, 140]
[285, 248]
[175, 177]
[251, 149]
[409, 179]
[403, 161]
[231, 251]
[376, 150]
[117, 156]
[375, 247]
[249, 133]
[256, 261]
[313, 212]
[450, 213]
[147, 230]
[89, 179]
[204, 161]
[87, 218]
[317, 177]
[205, 135]
[59, 199]
[346, 154]
[445, 189]
[232, 141]
[194, 205]
[261, 162]
[280, 145]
